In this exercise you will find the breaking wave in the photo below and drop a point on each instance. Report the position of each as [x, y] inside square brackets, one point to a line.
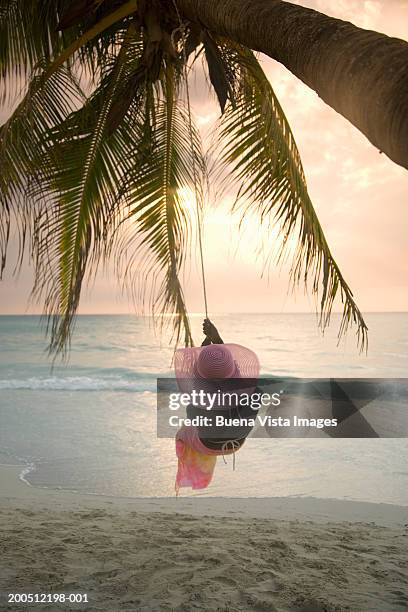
[79, 383]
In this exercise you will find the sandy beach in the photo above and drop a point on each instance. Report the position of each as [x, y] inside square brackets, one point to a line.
[200, 554]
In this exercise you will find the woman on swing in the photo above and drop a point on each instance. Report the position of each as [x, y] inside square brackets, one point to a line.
[212, 367]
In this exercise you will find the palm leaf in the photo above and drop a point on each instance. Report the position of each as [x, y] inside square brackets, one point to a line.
[88, 178]
[27, 34]
[154, 247]
[116, 16]
[260, 151]
[85, 168]
[29, 37]
[78, 11]
[218, 71]
[24, 145]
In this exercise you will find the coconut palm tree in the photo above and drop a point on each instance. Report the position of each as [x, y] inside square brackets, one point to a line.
[100, 144]
[360, 73]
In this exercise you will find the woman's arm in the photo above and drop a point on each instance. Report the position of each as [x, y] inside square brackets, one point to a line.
[211, 333]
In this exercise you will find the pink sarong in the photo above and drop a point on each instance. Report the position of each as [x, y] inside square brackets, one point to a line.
[196, 462]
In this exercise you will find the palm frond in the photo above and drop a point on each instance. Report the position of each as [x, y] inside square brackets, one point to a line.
[77, 168]
[88, 177]
[116, 16]
[221, 76]
[24, 145]
[261, 152]
[154, 247]
[77, 12]
[27, 35]
[85, 165]
[30, 35]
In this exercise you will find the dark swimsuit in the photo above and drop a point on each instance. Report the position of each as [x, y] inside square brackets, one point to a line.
[238, 434]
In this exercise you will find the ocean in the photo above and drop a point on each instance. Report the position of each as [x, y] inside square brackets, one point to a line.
[90, 425]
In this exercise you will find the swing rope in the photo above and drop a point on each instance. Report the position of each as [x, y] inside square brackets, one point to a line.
[195, 180]
[199, 215]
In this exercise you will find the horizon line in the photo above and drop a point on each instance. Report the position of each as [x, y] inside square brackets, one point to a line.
[195, 314]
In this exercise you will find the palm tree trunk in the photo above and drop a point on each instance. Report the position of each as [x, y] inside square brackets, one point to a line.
[360, 73]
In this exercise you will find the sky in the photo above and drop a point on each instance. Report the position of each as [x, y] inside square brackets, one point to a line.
[360, 197]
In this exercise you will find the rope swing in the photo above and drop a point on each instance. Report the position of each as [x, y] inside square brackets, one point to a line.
[199, 211]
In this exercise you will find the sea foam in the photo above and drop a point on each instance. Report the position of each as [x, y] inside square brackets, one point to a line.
[78, 383]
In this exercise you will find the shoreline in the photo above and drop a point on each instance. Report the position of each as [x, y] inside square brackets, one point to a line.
[14, 488]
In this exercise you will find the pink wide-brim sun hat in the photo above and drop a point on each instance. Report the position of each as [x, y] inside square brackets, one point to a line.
[214, 362]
